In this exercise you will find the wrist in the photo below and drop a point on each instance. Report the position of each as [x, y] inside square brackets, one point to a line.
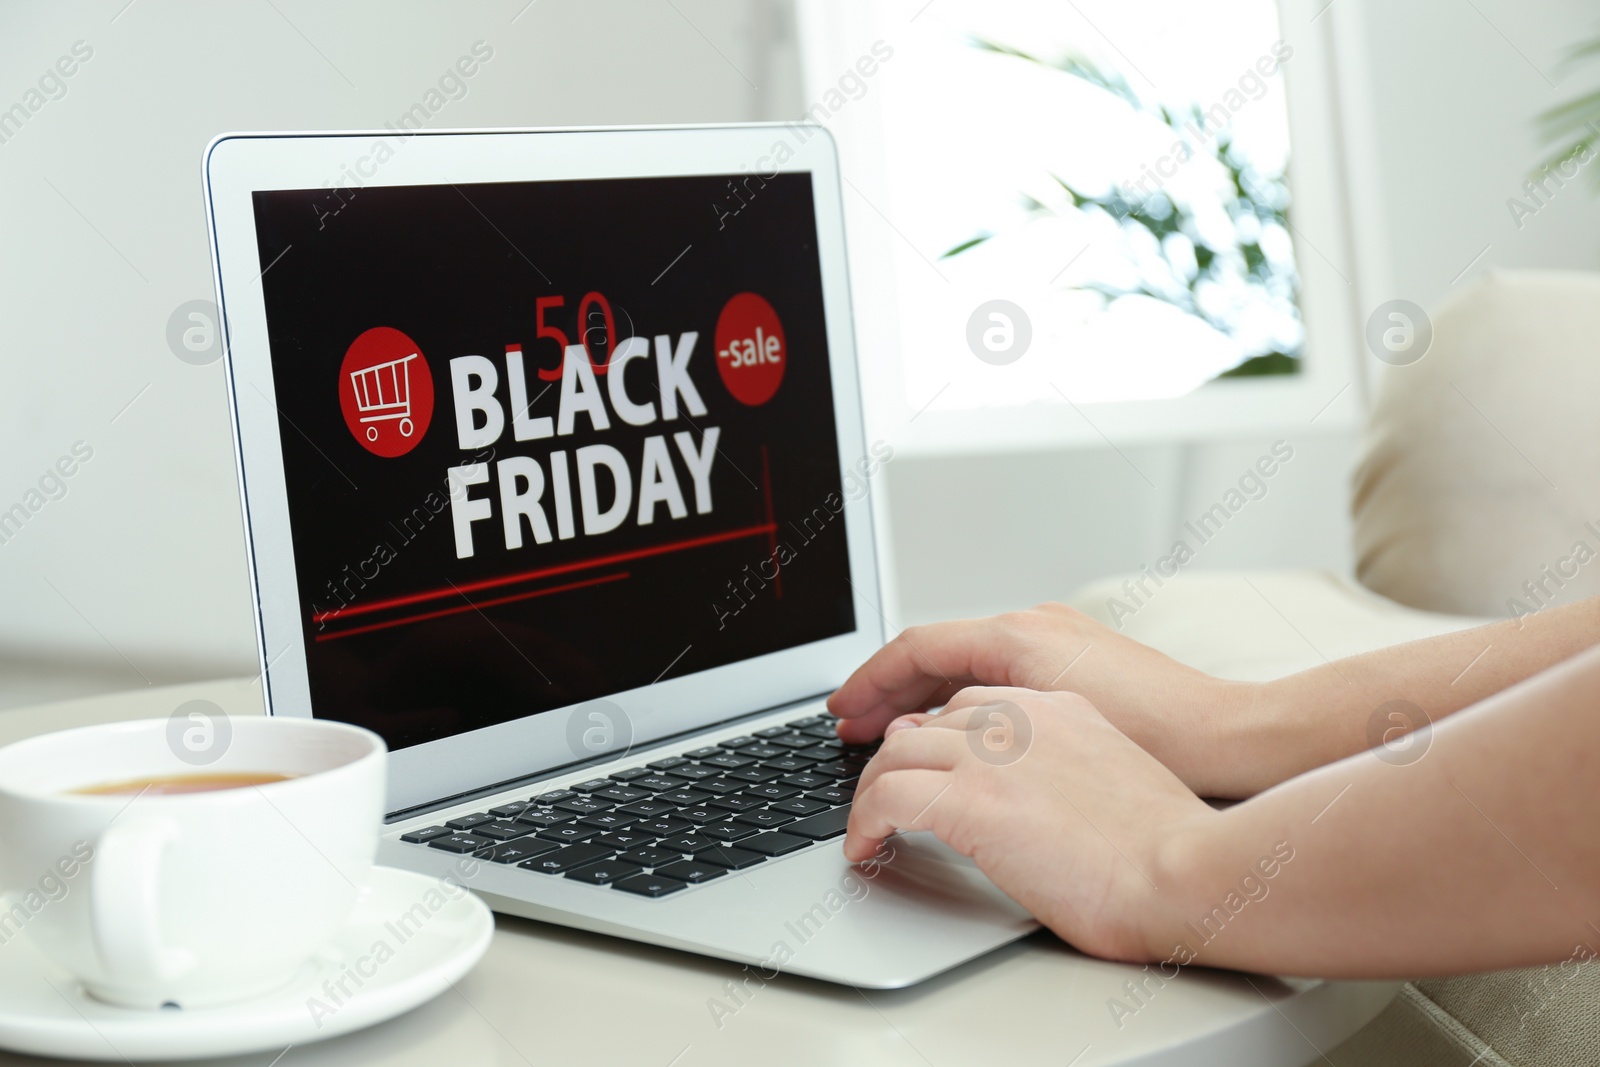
[1186, 873]
[1238, 729]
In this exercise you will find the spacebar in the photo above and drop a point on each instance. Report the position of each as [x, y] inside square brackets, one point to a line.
[819, 827]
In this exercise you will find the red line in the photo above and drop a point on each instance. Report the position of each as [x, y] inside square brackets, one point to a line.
[543, 572]
[407, 619]
[772, 527]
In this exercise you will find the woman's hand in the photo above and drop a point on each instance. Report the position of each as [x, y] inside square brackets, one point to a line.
[1060, 810]
[1188, 720]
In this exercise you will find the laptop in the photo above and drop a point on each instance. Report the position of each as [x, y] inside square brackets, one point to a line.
[554, 475]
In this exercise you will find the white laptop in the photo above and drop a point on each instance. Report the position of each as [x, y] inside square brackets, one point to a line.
[554, 475]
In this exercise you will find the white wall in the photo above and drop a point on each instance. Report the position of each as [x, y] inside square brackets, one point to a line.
[138, 572]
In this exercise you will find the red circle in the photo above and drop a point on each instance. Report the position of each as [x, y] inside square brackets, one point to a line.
[751, 349]
[385, 392]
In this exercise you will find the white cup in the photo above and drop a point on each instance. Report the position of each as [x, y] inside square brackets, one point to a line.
[187, 899]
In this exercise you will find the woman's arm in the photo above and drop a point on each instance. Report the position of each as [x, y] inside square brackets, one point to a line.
[1480, 854]
[1222, 738]
[1326, 713]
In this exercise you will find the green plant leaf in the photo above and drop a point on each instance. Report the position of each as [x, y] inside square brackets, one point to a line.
[1258, 366]
[972, 242]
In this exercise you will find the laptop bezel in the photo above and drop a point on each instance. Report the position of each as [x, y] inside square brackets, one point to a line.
[239, 164]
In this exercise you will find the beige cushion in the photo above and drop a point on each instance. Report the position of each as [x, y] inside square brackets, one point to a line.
[1257, 625]
[1481, 464]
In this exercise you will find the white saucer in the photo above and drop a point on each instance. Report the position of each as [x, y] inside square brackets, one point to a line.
[46, 1012]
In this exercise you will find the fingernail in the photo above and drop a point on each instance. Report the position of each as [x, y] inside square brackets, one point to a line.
[904, 723]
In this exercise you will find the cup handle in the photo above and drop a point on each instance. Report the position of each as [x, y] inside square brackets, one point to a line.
[124, 901]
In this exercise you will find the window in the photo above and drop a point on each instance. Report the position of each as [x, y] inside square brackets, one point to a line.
[1090, 208]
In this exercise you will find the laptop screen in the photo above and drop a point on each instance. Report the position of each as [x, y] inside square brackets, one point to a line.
[550, 441]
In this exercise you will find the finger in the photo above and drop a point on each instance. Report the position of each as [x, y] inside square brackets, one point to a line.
[909, 670]
[905, 722]
[911, 749]
[915, 699]
[967, 709]
[901, 800]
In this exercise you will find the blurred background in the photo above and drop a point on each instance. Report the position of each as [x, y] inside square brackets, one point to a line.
[1191, 210]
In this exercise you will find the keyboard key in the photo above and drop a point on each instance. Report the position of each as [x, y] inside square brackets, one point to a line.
[761, 751]
[772, 791]
[685, 797]
[629, 775]
[806, 780]
[817, 752]
[622, 839]
[565, 859]
[832, 795]
[719, 786]
[694, 772]
[427, 833]
[700, 813]
[735, 859]
[776, 843]
[503, 831]
[517, 851]
[647, 809]
[726, 831]
[648, 885]
[555, 796]
[752, 774]
[606, 820]
[659, 783]
[821, 827]
[701, 753]
[569, 832]
[793, 742]
[764, 819]
[739, 802]
[584, 806]
[603, 873]
[592, 784]
[511, 810]
[847, 783]
[467, 822]
[810, 720]
[542, 817]
[649, 856]
[690, 843]
[670, 763]
[788, 764]
[737, 742]
[773, 731]
[822, 732]
[800, 806]
[621, 794]
[730, 761]
[690, 871]
[664, 826]
[832, 770]
[459, 842]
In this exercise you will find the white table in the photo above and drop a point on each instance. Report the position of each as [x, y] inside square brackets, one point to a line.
[546, 994]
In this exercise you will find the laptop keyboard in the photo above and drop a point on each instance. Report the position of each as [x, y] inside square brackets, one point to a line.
[675, 822]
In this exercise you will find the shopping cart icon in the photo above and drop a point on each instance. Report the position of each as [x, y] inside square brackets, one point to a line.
[383, 394]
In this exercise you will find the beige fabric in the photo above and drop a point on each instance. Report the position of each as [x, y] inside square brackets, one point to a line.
[1481, 465]
[1256, 625]
[1537, 1017]
[1413, 1031]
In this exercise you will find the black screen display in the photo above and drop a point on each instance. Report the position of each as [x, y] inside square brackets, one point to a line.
[549, 441]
